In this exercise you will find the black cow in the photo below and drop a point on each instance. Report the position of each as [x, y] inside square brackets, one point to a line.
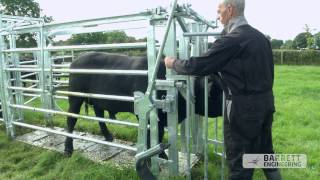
[123, 86]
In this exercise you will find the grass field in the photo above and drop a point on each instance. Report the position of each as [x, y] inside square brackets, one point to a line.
[296, 130]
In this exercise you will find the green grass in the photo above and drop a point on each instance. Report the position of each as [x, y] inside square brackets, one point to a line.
[296, 129]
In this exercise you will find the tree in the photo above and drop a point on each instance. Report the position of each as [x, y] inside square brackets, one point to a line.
[276, 43]
[301, 40]
[28, 8]
[289, 44]
[317, 40]
[101, 38]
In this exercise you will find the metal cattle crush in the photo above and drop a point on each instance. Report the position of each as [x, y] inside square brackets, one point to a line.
[182, 25]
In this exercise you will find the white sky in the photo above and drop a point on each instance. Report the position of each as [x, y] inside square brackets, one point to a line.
[281, 19]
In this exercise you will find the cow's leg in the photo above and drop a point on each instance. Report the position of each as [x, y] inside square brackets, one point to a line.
[74, 107]
[100, 113]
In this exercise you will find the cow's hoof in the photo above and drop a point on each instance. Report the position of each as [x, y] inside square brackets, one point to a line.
[67, 153]
[163, 155]
[109, 138]
[68, 147]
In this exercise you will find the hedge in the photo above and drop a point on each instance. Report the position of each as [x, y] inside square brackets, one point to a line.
[296, 57]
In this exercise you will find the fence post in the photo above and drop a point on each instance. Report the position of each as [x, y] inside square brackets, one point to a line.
[170, 49]
[45, 77]
[4, 92]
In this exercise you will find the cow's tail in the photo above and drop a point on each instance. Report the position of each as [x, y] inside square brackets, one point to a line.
[86, 106]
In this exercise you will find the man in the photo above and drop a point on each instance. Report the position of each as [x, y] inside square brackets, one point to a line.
[243, 58]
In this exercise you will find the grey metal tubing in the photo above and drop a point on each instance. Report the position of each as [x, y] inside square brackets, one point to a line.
[139, 45]
[191, 12]
[38, 95]
[202, 34]
[30, 100]
[79, 94]
[206, 126]
[187, 127]
[32, 86]
[61, 97]
[97, 96]
[20, 18]
[75, 136]
[84, 71]
[29, 80]
[28, 75]
[28, 62]
[60, 57]
[61, 82]
[75, 115]
[27, 66]
[60, 65]
[85, 23]
[30, 95]
[157, 63]
[103, 71]
[25, 89]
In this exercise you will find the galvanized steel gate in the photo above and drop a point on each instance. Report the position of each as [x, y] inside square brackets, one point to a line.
[180, 21]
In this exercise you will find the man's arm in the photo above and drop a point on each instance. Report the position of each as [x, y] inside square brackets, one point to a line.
[214, 60]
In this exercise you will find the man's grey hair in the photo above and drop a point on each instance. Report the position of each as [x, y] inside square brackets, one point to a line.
[238, 4]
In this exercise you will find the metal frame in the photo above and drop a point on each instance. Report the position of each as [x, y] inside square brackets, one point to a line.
[194, 36]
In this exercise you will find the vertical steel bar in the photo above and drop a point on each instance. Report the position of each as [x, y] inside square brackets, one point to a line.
[187, 128]
[206, 126]
[169, 23]
[173, 94]
[5, 94]
[151, 50]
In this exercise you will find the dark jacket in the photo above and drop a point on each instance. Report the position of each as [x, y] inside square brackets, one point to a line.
[245, 62]
[244, 58]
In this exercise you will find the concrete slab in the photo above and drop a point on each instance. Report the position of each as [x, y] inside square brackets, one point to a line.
[93, 151]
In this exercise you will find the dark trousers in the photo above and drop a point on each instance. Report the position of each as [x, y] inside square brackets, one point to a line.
[245, 135]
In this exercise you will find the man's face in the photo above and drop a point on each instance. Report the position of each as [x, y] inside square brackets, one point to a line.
[225, 13]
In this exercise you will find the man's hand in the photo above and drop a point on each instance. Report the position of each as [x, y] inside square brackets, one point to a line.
[169, 62]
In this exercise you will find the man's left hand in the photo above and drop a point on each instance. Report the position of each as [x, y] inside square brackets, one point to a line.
[169, 62]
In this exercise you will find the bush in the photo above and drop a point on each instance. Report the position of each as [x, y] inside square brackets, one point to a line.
[296, 57]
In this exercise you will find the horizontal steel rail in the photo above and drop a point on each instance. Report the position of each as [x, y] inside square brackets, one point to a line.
[29, 81]
[61, 65]
[112, 121]
[102, 71]
[82, 23]
[75, 136]
[61, 82]
[25, 89]
[20, 18]
[84, 71]
[27, 66]
[202, 34]
[31, 95]
[97, 96]
[30, 100]
[79, 94]
[28, 75]
[27, 62]
[138, 45]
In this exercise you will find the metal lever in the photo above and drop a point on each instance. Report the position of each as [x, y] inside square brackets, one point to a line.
[142, 158]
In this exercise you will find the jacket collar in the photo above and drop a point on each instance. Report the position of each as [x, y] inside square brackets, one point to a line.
[234, 23]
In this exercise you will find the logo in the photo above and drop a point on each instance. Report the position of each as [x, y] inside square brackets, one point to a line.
[274, 161]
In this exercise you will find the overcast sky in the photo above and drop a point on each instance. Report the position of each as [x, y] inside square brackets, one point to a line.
[281, 19]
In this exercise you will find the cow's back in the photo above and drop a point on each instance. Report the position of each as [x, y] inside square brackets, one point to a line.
[121, 85]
